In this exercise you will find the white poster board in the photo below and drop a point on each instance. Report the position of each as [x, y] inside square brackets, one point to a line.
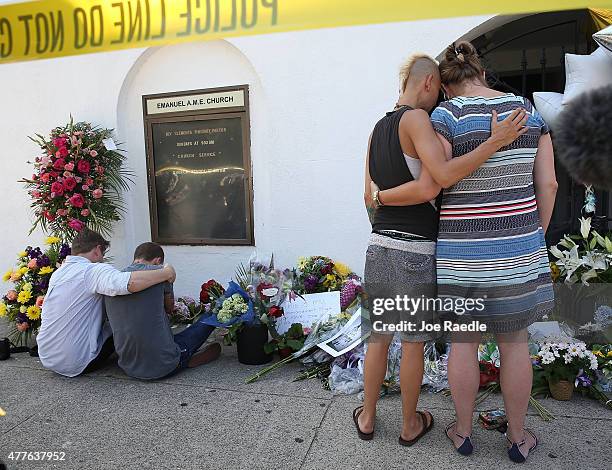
[308, 310]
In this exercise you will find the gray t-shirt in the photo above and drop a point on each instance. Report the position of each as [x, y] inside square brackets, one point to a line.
[141, 331]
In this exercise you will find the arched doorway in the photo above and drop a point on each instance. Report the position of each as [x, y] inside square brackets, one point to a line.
[527, 54]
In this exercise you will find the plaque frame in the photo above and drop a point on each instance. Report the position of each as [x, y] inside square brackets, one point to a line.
[241, 112]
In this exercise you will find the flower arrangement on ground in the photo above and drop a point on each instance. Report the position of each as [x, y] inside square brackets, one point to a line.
[186, 310]
[22, 305]
[77, 180]
[586, 257]
[210, 291]
[321, 274]
[563, 360]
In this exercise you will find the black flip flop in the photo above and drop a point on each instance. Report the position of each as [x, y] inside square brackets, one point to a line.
[515, 453]
[425, 430]
[364, 436]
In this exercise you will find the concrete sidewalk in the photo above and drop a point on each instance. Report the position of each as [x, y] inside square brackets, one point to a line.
[207, 418]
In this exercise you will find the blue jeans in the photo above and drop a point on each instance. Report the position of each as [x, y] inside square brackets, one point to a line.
[190, 340]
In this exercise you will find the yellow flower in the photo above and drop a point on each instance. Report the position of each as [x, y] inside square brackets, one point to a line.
[52, 240]
[7, 276]
[609, 354]
[15, 276]
[24, 270]
[598, 353]
[555, 272]
[2, 309]
[27, 287]
[23, 309]
[22, 254]
[33, 312]
[24, 296]
[342, 269]
[45, 270]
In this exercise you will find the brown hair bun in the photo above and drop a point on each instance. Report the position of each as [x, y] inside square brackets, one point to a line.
[461, 63]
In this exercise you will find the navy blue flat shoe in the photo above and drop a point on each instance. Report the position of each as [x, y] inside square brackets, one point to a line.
[514, 452]
[466, 447]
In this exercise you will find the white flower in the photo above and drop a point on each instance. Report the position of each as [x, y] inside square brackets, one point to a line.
[548, 358]
[595, 260]
[585, 227]
[574, 351]
[567, 358]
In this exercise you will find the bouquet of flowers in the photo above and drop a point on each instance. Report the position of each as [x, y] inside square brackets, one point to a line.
[584, 257]
[186, 310]
[268, 288]
[231, 310]
[211, 290]
[488, 362]
[603, 353]
[565, 360]
[77, 180]
[320, 274]
[22, 305]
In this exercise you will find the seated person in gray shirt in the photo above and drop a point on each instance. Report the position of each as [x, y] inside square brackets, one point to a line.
[144, 342]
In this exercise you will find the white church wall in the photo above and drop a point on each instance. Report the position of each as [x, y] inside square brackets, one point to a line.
[314, 98]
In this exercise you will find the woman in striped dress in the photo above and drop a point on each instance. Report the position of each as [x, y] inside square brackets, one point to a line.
[491, 241]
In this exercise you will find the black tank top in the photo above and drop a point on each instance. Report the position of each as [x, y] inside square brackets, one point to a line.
[388, 168]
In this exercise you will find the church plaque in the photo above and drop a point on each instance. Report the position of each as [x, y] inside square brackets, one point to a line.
[199, 172]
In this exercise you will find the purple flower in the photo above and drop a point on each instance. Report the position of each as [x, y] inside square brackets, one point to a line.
[310, 283]
[43, 284]
[33, 252]
[583, 380]
[43, 260]
[22, 318]
[64, 251]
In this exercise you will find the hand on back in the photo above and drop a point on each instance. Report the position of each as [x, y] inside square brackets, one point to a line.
[511, 128]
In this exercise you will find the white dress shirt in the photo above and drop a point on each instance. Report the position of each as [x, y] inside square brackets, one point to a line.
[72, 330]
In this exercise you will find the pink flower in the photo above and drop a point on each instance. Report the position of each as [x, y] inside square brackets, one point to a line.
[63, 152]
[100, 170]
[62, 212]
[78, 179]
[59, 164]
[45, 160]
[39, 300]
[67, 174]
[69, 184]
[50, 217]
[93, 153]
[23, 326]
[45, 177]
[85, 187]
[77, 200]
[89, 181]
[59, 142]
[11, 295]
[83, 166]
[36, 194]
[85, 212]
[97, 193]
[57, 188]
[69, 166]
[76, 225]
[32, 264]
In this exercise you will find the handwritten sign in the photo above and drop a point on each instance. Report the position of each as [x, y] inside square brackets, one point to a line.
[309, 310]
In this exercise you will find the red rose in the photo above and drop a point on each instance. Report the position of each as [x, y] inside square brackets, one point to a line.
[48, 216]
[63, 152]
[59, 164]
[69, 184]
[77, 200]
[45, 177]
[276, 311]
[83, 166]
[57, 188]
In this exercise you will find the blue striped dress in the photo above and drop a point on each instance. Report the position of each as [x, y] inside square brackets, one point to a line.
[491, 243]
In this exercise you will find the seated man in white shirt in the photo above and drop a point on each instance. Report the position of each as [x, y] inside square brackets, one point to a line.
[73, 337]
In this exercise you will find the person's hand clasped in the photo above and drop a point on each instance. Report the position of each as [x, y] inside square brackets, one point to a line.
[507, 131]
[171, 272]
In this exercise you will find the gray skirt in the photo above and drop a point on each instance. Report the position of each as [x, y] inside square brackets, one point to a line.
[399, 278]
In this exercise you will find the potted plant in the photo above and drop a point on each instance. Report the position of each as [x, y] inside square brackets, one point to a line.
[562, 362]
[288, 342]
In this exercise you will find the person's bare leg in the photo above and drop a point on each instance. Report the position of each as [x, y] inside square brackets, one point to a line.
[464, 380]
[374, 371]
[516, 376]
[411, 379]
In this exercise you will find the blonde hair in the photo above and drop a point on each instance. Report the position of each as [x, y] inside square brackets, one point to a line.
[408, 67]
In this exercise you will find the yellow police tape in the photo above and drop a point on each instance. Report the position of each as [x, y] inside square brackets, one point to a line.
[56, 28]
